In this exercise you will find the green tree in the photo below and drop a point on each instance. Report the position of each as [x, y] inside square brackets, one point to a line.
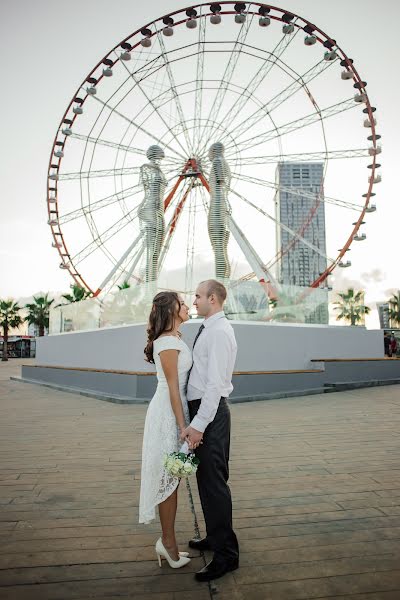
[394, 309]
[78, 294]
[351, 306]
[124, 286]
[9, 318]
[38, 312]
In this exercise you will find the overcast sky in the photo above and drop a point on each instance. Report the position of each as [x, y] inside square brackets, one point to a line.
[49, 47]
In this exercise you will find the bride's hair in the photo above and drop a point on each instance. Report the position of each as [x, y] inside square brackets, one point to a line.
[166, 306]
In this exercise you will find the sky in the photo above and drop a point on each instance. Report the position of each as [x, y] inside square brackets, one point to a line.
[50, 47]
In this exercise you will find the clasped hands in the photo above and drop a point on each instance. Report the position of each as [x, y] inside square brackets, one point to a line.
[193, 437]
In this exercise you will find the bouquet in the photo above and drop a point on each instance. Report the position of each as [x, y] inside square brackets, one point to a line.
[181, 464]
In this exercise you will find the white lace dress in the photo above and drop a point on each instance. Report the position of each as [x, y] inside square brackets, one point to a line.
[161, 433]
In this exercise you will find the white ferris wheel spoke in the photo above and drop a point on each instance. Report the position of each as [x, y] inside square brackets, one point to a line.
[198, 101]
[104, 236]
[163, 99]
[150, 67]
[102, 203]
[298, 192]
[204, 199]
[190, 244]
[158, 102]
[118, 146]
[94, 174]
[290, 231]
[140, 250]
[227, 76]
[139, 127]
[94, 140]
[304, 157]
[123, 258]
[279, 99]
[102, 173]
[267, 65]
[150, 99]
[301, 123]
[175, 93]
[250, 254]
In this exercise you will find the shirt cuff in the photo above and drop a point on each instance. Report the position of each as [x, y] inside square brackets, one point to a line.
[199, 424]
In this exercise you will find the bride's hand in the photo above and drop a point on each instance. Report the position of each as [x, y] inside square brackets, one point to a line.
[182, 433]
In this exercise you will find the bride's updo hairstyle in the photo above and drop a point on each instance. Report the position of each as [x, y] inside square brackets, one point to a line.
[166, 306]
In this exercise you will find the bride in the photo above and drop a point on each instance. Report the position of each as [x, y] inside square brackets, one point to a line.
[167, 416]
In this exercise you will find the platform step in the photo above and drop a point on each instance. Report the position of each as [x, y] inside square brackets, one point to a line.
[341, 386]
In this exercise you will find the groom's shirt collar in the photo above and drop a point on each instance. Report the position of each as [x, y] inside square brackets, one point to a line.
[211, 320]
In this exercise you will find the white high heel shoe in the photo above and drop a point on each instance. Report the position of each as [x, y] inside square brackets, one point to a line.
[174, 564]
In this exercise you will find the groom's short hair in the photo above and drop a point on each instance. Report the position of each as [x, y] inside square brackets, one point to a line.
[217, 288]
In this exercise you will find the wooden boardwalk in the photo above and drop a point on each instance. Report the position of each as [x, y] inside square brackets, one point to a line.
[315, 482]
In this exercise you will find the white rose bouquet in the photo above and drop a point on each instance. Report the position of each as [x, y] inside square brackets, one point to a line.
[182, 463]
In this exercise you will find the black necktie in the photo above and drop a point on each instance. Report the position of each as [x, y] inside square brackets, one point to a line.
[198, 333]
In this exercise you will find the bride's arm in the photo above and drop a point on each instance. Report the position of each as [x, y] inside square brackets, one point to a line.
[169, 363]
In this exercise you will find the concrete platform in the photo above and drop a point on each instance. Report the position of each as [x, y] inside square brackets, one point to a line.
[261, 346]
[316, 497]
[137, 387]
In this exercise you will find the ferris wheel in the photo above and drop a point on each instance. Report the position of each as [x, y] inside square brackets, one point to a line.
[178, 155]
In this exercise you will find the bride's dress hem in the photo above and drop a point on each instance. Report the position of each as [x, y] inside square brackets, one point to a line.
[149, 519]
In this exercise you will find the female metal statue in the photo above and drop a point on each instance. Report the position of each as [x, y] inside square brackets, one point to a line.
[151, 211]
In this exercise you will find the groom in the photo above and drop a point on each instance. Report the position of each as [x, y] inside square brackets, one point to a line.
[209, 385]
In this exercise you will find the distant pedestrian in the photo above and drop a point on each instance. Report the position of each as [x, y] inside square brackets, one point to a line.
[386, 342]
[393, 345]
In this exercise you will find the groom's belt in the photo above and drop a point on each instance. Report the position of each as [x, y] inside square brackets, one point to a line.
[197, 401]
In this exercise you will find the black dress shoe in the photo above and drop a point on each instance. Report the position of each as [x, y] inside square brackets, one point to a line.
[199, 544]
[215, 570]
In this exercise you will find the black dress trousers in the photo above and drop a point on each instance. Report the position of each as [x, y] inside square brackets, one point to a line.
[212, 480]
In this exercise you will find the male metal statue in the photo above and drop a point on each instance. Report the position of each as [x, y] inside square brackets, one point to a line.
[218, 215]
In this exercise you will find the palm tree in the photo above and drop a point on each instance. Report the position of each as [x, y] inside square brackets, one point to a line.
[9, 318]
[38, 312]
[76, 316]
[124, 286]
[78, 294]
[351, 306]
[394, 309]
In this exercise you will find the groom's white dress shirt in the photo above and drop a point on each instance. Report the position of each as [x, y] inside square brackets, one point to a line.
[214, 357]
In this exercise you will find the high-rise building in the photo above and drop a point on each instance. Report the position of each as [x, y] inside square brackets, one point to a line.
[383, 311]
[299, 185]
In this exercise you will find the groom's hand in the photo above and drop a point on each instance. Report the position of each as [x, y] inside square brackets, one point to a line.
[193, 436]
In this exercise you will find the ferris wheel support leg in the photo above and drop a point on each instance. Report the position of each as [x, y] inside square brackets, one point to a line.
[117, 265]
[264, 276]
[136, 260]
